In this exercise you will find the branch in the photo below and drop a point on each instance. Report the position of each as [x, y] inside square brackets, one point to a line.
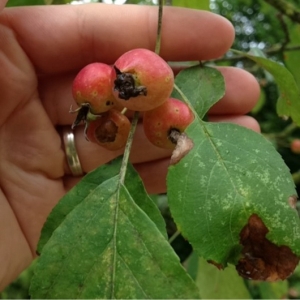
[286, 8]
[159, 24]
[273, 50]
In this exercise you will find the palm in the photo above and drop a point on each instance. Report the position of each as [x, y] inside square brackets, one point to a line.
[31, 156]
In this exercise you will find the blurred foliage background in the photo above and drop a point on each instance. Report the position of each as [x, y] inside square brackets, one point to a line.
[262, 28]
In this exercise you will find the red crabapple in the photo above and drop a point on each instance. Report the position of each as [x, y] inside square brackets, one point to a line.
[295, 146]
[162, 124]
[92, 91]
[142, 80]
[110, 130]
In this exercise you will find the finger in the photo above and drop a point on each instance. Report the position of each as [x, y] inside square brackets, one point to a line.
[245, 121]
[72, 36]
[92, 155]
[153, 175]
[241, 94]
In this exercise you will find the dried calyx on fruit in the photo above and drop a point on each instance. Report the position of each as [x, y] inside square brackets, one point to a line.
[142, 80]
[126, 86]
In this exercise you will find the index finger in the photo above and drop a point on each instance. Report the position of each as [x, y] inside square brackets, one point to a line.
[65, 38]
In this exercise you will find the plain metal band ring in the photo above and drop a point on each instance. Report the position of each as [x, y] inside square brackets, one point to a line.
[71, 152]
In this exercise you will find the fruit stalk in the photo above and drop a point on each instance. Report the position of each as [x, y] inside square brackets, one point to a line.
[159, 25]
[128, 147]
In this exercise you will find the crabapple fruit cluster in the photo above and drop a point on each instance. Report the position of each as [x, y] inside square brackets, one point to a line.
[139, 80]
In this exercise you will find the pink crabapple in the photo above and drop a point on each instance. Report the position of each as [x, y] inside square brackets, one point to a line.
[91, 90]
[162, 124]
[110, 130]
[295, 146]
[142, 80]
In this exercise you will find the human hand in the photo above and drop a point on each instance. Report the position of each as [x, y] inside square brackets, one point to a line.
[41, 51]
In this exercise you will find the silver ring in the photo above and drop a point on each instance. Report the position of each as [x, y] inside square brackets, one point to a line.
[71, 152]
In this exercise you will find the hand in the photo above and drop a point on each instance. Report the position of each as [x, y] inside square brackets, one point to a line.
[42, 49]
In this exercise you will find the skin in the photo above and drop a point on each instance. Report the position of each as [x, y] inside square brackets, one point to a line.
[37, 69]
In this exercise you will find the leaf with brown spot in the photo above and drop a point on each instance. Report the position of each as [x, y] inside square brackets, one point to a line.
[230, 174]
[261, 259]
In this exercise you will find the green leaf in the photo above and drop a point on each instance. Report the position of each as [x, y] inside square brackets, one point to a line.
[24, 2]
[220, 284]
[191, 265]
[230, 174]
[196, 4]
[86, 187]
[107, 247]
[288, 104]
[203, 86]
[274, 290]
[291, 58]
[135, 187]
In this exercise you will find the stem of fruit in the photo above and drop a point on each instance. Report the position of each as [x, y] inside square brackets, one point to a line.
[128, 147]
[159, 23]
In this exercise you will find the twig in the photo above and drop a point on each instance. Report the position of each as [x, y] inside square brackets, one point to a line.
[286, 8]
[275, 49]
[159, 25]
[285, 31]
[286, 132]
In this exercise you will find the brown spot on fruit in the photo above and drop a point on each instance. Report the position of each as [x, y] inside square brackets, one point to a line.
[110, 130]
[106, 133]
[261, 259]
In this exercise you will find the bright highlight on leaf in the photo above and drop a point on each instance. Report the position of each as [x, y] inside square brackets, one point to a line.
[288, 104]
